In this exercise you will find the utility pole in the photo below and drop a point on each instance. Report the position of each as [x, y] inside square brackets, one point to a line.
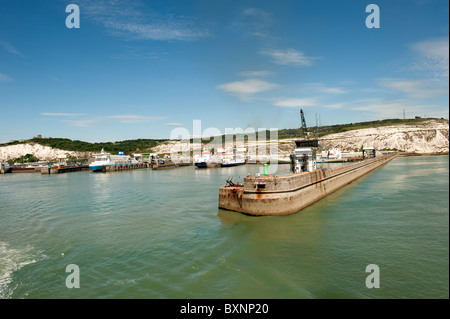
[317, 126]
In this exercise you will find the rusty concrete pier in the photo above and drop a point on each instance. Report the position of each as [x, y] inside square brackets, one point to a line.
[288, 194]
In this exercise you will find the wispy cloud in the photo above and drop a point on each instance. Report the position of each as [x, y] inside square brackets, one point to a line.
[323, 89]
[256, 74]
[83, 122]
[255, 22]
[91, 120]
[301, 102]
[157, 31]
[174, 124]
[254, 12]
[433, 56]
[335, 105]
[133, 53]
[381, 108]
[61, 114]
[290, 57]
[5, 78]
[244, 89]
[419, 89]
[134, 118]
[10, 48]
[136, 20]
[334, 90]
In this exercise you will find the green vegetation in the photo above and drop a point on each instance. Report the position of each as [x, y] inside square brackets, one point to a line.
[128, 147]
[28, 158]
[143, 145]
[339, 128]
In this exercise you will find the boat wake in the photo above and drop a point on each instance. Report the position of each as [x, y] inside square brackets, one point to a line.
[12, 260]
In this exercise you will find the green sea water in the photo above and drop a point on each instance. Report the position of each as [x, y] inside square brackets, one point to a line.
[159, 234]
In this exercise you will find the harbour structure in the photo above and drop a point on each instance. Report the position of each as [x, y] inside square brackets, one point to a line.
[163, 163]
[5, 168]
[368, 152]
[62, 169]
[290, 193]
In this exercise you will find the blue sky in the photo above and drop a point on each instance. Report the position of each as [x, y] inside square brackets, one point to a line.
[139, 69]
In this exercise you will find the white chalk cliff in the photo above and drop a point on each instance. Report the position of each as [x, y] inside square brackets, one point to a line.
[41, 152]
[427, 137]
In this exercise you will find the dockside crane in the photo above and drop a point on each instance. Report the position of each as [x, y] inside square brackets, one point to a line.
[304, 129]
[303, 157]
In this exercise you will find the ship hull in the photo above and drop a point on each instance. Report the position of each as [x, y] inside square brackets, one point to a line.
[96, 168]
[231, 164]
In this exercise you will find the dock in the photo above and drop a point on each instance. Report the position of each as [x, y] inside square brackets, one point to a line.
[164, 164]
[116, 168]
[288, 194]
[61, 169]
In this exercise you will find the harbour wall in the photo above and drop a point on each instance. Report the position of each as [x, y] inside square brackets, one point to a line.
[288, 194]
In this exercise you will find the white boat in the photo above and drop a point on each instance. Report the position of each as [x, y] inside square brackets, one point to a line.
[279, 159]
[201, 159]
[106, 159]
[233, 159]
[331, 156]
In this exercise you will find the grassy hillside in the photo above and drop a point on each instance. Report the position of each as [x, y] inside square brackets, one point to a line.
[66, 144]
[331, 129]
[130, 146]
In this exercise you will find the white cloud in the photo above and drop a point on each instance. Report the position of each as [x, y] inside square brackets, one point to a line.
[254, 22]
[255, 12]
[383, 109]
[332, 90]
[90, 120]
[157, 31]
[420, 89]
[304, 102]
[433, 56]
[321, 88]
[10, 48]
[261, 73]
[289, 57]
[244, 89]
[335, 106]
[134, 118]
[380, 108]
[137, 20]
[174, 124]
[5, 78]
[61, 114]
[83, 122]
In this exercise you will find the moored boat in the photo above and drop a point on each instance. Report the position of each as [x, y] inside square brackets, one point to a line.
[201, 159]
[103, 160]
[331, 156]
[233, 159]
